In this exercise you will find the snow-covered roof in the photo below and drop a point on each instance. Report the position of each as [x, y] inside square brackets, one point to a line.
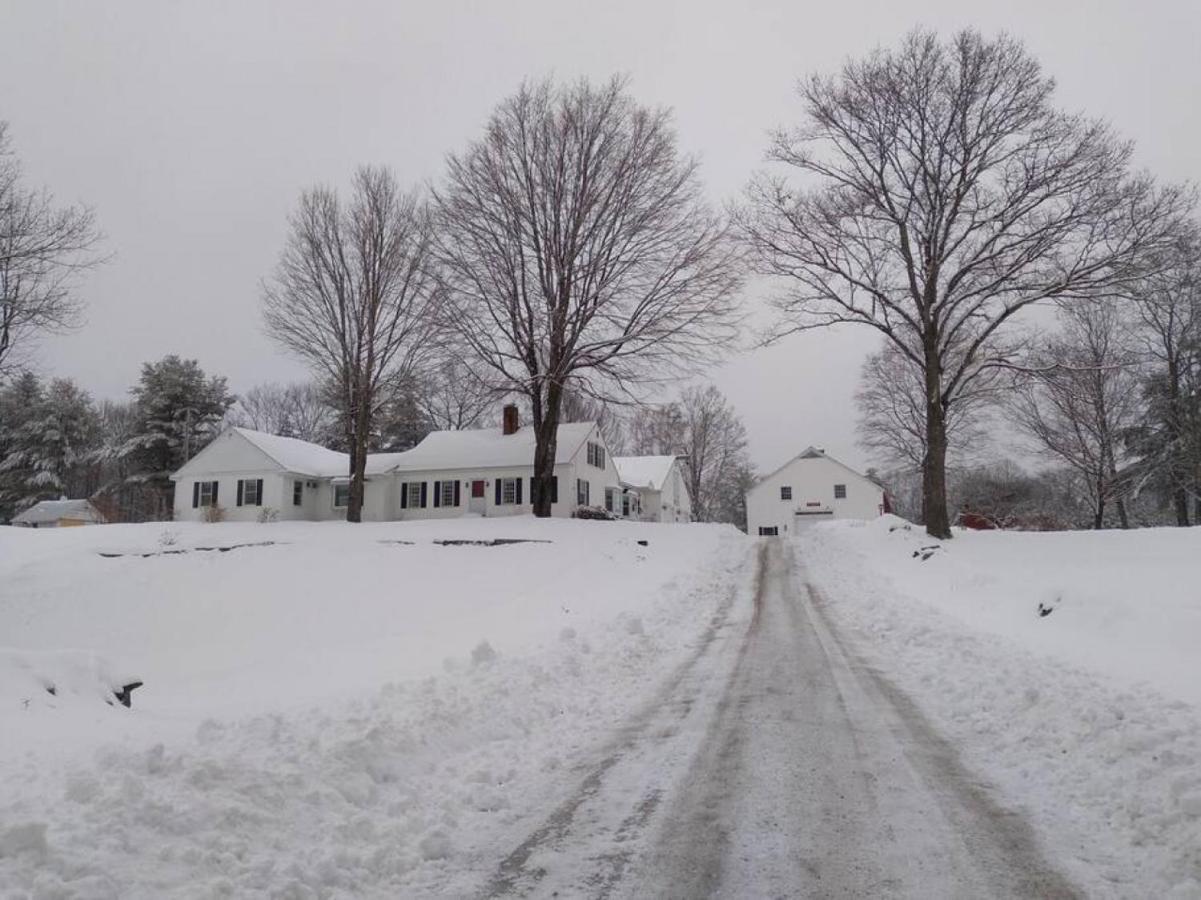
[52, 510]
[811, 453]
[644, 471]
[299, 456]
[487, 448]
[440, 450]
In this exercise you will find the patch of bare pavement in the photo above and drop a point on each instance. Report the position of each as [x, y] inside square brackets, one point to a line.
[775, 763]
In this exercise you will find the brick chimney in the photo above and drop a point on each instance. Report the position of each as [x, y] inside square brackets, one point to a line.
[509, 421]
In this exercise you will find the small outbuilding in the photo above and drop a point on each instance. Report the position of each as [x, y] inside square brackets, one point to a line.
[59, 514]
[811, 487]
[655, 488]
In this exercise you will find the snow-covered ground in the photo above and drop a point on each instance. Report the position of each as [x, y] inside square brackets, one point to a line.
[1087, 717]
[328, 710]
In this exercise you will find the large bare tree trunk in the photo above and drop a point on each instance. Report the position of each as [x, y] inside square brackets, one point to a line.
[358, 463]
[1181, 504]
[546, 446]
[934, 464]
[934, 475]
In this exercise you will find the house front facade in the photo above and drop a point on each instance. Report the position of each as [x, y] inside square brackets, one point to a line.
[247, 475]
[658, 486]
[811, 487]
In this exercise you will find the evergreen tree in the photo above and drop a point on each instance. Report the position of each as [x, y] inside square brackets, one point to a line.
[179, 411]
[46, 449]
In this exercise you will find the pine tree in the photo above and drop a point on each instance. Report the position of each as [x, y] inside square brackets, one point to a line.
[180, 411]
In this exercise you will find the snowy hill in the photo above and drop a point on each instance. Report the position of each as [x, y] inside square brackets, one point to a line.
[327, 708]
[1065, 666]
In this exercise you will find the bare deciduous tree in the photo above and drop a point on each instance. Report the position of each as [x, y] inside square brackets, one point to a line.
[892, 411]
[453, 397]
[945, 195]
[609, 419]
[705, 429]
[581, 253]
[1168, 304]
[892, 414]
[292, 410]
[43, 249]
[1078, 396]
[356, 297]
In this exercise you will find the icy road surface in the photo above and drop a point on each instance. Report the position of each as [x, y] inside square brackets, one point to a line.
[777, 764]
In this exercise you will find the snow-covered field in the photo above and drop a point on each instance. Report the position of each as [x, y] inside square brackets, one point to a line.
[328, 710]
[1087, 717]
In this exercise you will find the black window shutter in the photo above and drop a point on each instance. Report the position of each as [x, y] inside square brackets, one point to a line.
[215, 483]
[458, 484]
[554, 489]
[259, 492]
[423, 498]
[437, 493]
[404, 495]
[241, 486]
[498, 492]
[518, 491]
[195, 494]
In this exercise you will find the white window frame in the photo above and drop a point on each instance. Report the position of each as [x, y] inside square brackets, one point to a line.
[786, 492]
[596, 455]
[840, 492]
[297, 492]
[508, 492]
[583, 492]
[341, 487]
[249, 485]
[448, 493]
[206, 488]
[413, 494]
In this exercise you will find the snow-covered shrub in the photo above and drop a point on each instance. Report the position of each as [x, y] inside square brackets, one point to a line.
[268, 514]
[593, 512]
[214, 513]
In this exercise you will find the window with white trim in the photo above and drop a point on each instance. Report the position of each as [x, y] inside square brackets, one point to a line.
[840, 492]
[596, 455]
[297, 493]
[508, 491]
[786, 492]
[413, 495]
[611, 499]
[341, 496]
[582, 491]
[208, 493]
[448, 494]
[249, 489]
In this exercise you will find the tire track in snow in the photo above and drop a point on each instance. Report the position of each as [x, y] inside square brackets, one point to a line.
[776, 764]
[639, 748]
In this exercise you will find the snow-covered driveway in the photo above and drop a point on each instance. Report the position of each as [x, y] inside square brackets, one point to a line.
[776, 764]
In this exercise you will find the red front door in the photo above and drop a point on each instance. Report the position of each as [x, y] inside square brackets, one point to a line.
[477, 489]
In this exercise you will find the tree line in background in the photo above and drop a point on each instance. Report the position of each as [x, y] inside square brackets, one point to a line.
[1109, 395]
[56, 441]
[933, 192]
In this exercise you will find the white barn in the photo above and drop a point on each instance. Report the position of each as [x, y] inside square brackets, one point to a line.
[811, 487]
[656, 490]
[249, 475]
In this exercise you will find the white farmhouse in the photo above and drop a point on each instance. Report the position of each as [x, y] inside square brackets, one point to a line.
[656, 490]
[247, 475]
[809, 488]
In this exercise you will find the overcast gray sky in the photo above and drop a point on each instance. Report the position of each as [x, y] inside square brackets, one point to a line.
[192, 128]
